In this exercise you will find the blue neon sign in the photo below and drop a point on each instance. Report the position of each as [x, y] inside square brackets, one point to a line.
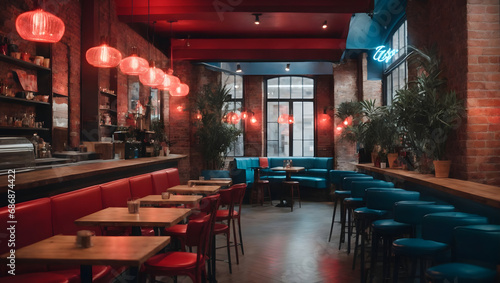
[384, 54]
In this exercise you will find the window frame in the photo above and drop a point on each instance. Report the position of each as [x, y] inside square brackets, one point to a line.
[393, 67]
[290, 102]
[234, 100]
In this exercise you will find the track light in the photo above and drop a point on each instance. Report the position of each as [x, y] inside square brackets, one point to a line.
[257, 21]
[287, 68]
[325, 25]
[238, 68]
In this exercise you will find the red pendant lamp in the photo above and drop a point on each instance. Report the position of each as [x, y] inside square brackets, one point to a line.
[169, 82]
[180, 90]
[153, 77]
[103, 56]
[134, 65]
[40, 26]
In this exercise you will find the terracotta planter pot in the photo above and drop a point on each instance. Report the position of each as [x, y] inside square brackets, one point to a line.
[442, 168]
[391, 160]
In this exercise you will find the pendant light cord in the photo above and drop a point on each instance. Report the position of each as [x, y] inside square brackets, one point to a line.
[171, 48]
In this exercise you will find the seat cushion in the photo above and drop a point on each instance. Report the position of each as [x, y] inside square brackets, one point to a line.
[160, 181]
[220, 228]
[116, 193]
[178, 230]
[390, 227]
[141, 186]
[171, 261]
[99, 272]
[366, 212]
[173, 176]
[461, 272]
[417, 247]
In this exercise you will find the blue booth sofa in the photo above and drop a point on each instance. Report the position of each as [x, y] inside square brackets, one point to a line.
[316, 173]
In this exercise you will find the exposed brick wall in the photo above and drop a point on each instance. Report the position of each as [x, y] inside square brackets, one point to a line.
[467, 35]
[372, 89]
[344, 89]
[254, 101]
[324, 123]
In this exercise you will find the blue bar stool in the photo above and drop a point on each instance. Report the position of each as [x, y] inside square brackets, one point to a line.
[339, 195]
[477, 253]
[379, 204]
[356, 200]
[408, 216]
[437, 235]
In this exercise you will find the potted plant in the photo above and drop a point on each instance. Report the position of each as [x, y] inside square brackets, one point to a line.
[428, 112]
[161, 142]
[214, 135]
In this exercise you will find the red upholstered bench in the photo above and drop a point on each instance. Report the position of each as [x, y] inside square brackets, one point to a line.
[141, 186]
[173, 177]
[160, 181]
[34, 223]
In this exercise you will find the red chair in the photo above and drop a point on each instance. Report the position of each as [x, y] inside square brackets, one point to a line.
[222, 214]
[184, 263]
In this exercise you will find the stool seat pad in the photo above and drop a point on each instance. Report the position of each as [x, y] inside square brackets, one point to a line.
[263, 182]
[343, 193]
[390, 227]
[368, 212]
[417, 247]
[176, 230]
[354, 200]
[291, 182]
[462, 272]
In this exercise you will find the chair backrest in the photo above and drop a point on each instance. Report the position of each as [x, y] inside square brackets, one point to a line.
[198, 235]
[336, 176]
[413, 214]
[439, 226]
[141, 186]
[358, 187]
[381, 198]
[239, 195]
[160, 182]
[347, 181]
[478, 244]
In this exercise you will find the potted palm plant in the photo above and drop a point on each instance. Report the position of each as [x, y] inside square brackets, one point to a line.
[214, 135]
[428, 112]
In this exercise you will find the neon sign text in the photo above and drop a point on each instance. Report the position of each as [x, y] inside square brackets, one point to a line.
[383, 54]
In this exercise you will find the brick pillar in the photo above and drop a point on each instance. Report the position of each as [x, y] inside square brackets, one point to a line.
[254, 101]
[324, 123]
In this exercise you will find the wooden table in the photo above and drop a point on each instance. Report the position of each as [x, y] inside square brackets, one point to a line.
[194, 190]
[210, 182]
[147, 217]
[174, 199]
[288, 171]
[106, 250]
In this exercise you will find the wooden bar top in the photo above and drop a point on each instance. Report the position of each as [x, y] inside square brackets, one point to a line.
[485, 194]
[45, 177]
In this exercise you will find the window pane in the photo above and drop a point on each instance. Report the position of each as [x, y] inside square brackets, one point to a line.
[284, 143]
[297, 147]
[308, 148]
[308, 85]
[239, 87]
[284, 108]
[272, 131]
[296, 87]
[308, 120]
[284, 88]
[272, 88]
[297, 126]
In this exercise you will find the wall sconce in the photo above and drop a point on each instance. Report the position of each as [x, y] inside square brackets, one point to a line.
[180, 108]
[253, 120]
[325, 25]
[287, 68]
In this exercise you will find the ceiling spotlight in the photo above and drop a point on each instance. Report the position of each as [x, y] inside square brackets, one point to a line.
[257, 21]
[287, 68]
[238, 68]
[325, 25]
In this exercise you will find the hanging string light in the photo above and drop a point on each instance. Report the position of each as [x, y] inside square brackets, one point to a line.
[133, 65]
[40, 26]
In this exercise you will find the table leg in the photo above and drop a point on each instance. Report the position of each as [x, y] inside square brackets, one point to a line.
[136, 231]
[86, 273]
[283, 202]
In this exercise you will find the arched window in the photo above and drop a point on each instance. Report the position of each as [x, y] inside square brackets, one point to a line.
[290, 96]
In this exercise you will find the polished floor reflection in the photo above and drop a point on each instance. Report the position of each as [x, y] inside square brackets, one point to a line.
[284, 246]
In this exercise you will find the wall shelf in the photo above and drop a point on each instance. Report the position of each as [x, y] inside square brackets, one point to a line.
[22, 100]
[21, 63]
[22, 128]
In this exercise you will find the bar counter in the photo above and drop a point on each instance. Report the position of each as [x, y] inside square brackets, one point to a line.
[48, 182]
[457, 190]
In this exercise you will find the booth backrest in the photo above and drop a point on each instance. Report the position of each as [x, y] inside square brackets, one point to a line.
[116, 193]
[141, 186]
[160, 181]
[68, 207]
[173, 176]
[34, 223]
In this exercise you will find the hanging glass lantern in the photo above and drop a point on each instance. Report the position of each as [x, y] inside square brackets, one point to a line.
[134, 65]
[153, 77]
[180, 90]
[40, 26]
[103, 56]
